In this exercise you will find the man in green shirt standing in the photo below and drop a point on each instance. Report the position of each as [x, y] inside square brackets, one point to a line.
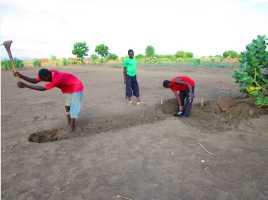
[130, 77]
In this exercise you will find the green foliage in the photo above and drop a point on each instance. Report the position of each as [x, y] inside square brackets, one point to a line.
[151, 60]
[64, 62]
[112, 56]
[7, 65]
[184, 54]
[231, 54]
[252, 76]
[139, 56]
[36, 63]
[262, 101]
[80, 49]
[94, 59]
[102, 50]
[149, 51]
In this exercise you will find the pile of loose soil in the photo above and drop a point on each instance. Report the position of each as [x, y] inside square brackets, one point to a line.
[143, 115]
[222, 114]
[47, 135]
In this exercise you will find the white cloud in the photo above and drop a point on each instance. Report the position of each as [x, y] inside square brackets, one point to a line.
[44, 28]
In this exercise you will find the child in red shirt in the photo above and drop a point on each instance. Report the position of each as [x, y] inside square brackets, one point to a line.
[183, 89]
[69, 84]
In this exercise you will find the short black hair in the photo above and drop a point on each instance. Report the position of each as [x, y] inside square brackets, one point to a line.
[44, 73]
[166, 83]
[130, 50]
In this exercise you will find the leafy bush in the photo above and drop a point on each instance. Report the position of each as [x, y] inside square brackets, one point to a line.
[151, 60]
[7, 65]
[36, 63]
[94, 59]
[231, 54]
[64, 62]
[139, 56]
[252, 75]
[112, 56]
[149, 51]
[184, 54]
[80, 49]
[102, 50]
[213, 59]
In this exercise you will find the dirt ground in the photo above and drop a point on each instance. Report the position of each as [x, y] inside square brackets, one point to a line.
[129, 152]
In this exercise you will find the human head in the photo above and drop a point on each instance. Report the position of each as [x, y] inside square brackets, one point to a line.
[130, 53]
[44, 74]
[166, 84]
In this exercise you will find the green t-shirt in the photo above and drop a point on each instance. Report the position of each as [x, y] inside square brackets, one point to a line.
[131, 66]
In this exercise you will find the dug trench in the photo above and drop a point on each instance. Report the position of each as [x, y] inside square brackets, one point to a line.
[222, 114]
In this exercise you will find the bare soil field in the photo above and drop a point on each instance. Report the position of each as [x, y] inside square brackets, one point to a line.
[130, 152]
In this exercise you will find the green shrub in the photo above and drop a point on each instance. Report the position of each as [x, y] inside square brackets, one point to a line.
[36, 63]
[94, 59]
[151, 60]
[251, 76]
[64, 62]
[231, 54]
[112, 56]
[184, 54]
[7, 65]
[139, 56]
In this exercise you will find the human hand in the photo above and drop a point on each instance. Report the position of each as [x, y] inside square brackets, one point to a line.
[191, 96]
[21, 84]
[16, 74]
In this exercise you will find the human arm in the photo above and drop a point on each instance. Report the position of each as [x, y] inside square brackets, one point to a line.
[33, 87]
[125, 74]
[26, 78]
[177, 95]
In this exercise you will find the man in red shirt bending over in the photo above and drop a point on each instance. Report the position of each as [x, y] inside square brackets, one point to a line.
[69, 84]
[183, 89]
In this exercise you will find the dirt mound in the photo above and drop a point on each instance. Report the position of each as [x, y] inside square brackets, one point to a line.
[223, 114]
[143, 115]
[47, 135]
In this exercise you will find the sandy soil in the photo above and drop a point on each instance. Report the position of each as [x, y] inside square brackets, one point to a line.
[127, 152]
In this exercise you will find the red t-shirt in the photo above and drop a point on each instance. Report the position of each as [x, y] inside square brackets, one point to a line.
[181, 87]
[67, 82]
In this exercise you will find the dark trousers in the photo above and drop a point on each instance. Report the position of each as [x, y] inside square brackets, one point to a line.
[185, 102]
[132, 86]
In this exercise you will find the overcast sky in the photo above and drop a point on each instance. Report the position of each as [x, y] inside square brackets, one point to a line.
[207, 27]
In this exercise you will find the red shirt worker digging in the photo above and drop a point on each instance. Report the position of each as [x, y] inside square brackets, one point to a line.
[68, 83]
[183, 89]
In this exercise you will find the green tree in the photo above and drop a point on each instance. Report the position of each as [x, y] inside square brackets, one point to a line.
[80, 49]
[102, 50]
[230, 54]
[149, 51]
